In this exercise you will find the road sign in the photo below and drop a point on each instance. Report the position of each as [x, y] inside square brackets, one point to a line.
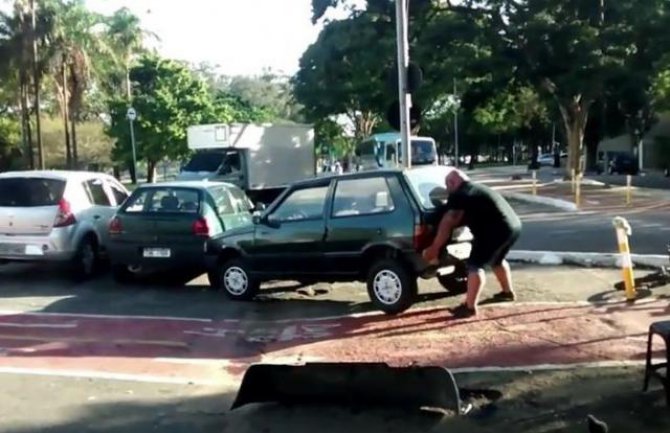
[131, 114]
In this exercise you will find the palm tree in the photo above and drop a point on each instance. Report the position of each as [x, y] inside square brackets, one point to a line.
[127, 39]
[21, 34]
[15, 61]
[76, 41]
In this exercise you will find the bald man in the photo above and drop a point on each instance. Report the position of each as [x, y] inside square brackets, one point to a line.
[495, 228]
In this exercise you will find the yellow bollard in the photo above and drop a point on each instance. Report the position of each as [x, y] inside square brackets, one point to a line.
[623, 231]
[534, 182]
[629, 191]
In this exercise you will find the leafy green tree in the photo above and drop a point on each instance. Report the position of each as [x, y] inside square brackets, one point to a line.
[344, 72]
[330, 139]
[570, 51]
[168, 99]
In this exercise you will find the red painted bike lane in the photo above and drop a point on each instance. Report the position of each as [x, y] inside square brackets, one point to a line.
[503, 336]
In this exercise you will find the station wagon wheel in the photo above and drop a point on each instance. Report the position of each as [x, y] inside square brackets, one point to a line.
[86, 259]
[391, 287]
[236, 282]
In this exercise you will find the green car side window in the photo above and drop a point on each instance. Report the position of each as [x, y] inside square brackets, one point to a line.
[302, 204]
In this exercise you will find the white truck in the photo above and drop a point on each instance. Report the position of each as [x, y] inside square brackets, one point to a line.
[260, 159]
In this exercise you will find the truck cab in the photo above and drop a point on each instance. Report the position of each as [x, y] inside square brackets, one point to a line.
[385, 151]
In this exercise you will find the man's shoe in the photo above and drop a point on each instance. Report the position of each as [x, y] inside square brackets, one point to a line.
[463, 312]
[504, 297]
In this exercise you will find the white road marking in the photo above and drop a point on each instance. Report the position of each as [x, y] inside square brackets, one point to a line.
[102, 316]
[546, 367]
[90, 374]
[38, 325]
[195, 361]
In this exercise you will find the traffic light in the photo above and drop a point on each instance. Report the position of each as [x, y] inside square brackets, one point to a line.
[414, 78]
[414, 82]
[393, 115]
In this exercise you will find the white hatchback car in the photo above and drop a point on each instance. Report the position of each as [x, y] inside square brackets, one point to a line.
[57, 216]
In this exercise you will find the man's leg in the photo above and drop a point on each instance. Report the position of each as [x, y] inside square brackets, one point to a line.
[502, 270]
[480, 255]
[476, 281]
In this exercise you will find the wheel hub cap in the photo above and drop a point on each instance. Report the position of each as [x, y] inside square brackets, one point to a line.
[387, 287]
[235, 280]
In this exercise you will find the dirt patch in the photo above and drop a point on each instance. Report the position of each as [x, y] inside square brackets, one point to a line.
[557, 401]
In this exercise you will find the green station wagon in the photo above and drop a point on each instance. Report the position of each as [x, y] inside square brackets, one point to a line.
[165, 225]
[368, 226]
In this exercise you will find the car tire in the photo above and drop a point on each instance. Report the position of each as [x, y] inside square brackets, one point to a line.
[234, 279]
[122, 275]
[457, 282]
[86, 261]
[391, 287]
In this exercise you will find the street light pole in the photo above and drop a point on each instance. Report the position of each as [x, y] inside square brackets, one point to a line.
[456, 106]
[132, 115]
[405, 99]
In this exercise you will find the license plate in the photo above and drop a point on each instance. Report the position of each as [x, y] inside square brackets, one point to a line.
[161, 253]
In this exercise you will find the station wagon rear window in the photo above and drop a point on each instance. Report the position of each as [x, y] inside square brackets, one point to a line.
[425, 181]
[30, 191]
[164, 200]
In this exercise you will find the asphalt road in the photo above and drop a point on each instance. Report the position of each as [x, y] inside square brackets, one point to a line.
[546, 229]
[549, 229]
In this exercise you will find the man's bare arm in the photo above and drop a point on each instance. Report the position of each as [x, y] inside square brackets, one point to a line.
[449, 222]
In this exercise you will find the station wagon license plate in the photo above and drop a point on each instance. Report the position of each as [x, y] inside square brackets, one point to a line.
[159, 253]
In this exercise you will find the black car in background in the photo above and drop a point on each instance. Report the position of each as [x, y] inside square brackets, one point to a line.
[368, 226]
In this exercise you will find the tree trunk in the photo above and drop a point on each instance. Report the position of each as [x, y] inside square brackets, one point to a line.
[73, 135]
[36, 84]
[64, 108]
[575, 116]
[25, 121]
[151, 171]
[129, 90]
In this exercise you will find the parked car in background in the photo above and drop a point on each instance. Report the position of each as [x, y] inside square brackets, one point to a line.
[164, 226]
[547, 159]
[57, 216]
[623, 163]
[367, 226]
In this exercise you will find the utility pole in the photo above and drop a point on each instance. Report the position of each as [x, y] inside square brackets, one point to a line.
[405, 99]
[36, 84]
[456, 107]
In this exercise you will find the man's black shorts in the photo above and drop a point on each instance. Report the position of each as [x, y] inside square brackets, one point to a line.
[491, 251]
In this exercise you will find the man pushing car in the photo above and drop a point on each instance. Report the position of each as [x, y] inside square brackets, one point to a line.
[495, 228]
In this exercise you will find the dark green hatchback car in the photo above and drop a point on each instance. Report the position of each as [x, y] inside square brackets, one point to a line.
[165, 225]
[368, 226]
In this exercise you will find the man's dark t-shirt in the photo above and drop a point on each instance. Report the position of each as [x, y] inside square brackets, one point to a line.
[488, 215]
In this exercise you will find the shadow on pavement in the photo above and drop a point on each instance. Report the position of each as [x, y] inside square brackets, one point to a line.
[540, 401]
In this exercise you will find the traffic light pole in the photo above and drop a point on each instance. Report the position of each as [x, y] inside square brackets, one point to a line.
[401, 12]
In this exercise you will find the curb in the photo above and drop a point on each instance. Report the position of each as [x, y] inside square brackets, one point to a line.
[601, 260]
[538, 199]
